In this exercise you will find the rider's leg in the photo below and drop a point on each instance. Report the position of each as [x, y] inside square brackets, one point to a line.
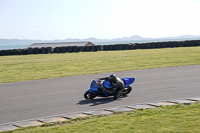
[118, 93]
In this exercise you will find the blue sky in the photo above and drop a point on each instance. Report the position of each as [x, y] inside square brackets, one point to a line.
[62, 19]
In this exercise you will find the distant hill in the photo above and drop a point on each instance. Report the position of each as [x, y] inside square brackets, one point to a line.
[18, 42]
[131, 38]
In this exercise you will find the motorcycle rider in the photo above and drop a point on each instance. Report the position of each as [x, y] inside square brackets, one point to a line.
[116, 88]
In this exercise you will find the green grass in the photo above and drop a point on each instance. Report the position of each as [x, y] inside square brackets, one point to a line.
[31, 67]
[173, 119]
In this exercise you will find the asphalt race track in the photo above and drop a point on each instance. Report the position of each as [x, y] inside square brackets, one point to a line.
[47, 97]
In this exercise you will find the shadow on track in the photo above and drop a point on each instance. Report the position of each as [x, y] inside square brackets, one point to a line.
[99, 101]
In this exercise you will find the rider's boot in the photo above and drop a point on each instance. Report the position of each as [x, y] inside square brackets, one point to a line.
[117, 94]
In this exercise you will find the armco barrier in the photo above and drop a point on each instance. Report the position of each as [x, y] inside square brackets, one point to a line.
[129, 46]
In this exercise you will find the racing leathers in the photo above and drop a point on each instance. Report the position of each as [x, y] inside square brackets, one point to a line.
[117, 86]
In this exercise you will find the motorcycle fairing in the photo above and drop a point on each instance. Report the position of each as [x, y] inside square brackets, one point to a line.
[128, 81]
[106, 84]
[93, 87]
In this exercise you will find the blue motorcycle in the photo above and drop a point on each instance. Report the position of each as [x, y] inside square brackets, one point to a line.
[96, 84]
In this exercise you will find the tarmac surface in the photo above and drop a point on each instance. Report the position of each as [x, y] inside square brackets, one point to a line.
[48, 97]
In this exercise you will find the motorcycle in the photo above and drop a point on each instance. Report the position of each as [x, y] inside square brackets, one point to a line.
[96, 84]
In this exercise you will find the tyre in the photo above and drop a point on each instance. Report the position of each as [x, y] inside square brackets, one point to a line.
[126, 90]
[88, 95]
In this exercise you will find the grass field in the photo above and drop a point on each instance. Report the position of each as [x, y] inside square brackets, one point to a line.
[173, 119]
[31, 67]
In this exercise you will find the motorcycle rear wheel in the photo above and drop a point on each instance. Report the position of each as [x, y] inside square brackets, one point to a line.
[88, 95]
[126, 90]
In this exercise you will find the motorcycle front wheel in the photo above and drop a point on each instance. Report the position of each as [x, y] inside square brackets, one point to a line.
[88, 95]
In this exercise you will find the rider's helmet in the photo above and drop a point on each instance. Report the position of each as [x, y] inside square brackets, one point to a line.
[112, 78]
